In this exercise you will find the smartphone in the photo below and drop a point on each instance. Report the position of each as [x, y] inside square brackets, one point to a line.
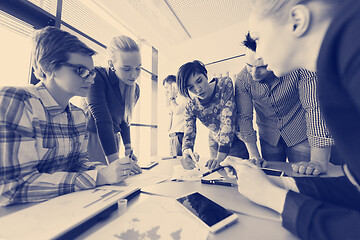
[211, 214]
[273, 172]
[149, 165]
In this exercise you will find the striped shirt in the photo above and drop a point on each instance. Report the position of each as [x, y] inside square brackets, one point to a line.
[285, 107]
[218, 115]
[43, 148]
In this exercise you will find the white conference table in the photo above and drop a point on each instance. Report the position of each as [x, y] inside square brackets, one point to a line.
[265, 226]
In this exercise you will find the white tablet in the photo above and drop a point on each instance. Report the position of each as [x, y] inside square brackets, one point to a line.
[214, 216]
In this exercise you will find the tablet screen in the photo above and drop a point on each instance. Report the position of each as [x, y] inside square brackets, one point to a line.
[205, 209]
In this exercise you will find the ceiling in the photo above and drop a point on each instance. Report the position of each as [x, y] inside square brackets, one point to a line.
[183, 30]
[193, 17]
[181, 20]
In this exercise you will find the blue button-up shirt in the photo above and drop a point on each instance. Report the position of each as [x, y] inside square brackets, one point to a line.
[285, 107]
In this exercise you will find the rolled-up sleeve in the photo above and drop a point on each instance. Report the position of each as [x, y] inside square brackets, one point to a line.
[317, 132]
[244, 108]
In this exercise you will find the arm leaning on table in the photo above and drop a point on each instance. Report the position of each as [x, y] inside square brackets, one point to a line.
[101, 114]
[245, 117]
[227, 118]
[319, 136]
[189, 136]
[34, 165]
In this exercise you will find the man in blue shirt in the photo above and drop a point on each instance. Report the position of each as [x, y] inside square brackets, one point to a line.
[287, 114]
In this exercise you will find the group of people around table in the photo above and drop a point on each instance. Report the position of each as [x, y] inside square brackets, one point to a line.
[302, 62]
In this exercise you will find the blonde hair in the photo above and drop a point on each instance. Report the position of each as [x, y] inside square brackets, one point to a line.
[124, 44]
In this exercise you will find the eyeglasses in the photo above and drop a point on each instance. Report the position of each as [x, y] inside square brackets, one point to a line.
[82, 71]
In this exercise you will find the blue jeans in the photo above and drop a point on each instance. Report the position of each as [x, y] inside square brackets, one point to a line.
[294, 154]
[238, 148]
[176, 140]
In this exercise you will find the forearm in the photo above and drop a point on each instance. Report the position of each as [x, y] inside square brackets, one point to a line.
[320, 155]
[125, 133]
[221, 156]
[252, 149]
[37, 187]
[275, 199]
[189, 130]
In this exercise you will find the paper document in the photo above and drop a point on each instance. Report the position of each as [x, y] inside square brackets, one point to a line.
[182, 174]
[139, 180]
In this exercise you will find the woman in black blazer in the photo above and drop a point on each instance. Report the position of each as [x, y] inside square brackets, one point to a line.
[111, 100]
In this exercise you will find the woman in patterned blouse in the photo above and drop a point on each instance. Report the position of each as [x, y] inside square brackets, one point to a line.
[213, 103]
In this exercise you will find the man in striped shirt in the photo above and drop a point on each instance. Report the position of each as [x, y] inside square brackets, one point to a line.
[287, 114]
[43, 139]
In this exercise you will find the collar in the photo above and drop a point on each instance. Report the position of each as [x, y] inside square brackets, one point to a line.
[49, 103]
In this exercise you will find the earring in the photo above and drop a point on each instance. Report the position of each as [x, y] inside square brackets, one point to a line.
[111, 66]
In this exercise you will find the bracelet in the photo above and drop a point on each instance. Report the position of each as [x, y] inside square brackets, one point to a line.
[171, 99]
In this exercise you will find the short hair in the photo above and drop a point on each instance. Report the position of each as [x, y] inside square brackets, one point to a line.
[185, 71]
[169, 79]
[249, 42]
[51, 47]
[121, 43]
[279, 9]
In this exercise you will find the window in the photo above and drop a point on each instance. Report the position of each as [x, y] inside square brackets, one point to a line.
[15, 50]
[81, 17]
[91, 24]
[47, 5]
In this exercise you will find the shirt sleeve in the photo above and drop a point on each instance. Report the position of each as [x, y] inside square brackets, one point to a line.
[227, 116]
[190, 127]
[98, 107]
[309, 218]
[20, 181]
[245, 109]
[125, 132]
[317, 132]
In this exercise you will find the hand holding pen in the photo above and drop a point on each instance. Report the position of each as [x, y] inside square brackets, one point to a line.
[190, 159]
[135, 169]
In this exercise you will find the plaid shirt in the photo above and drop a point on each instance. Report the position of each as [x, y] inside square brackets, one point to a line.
[43, 149]
[287, 107]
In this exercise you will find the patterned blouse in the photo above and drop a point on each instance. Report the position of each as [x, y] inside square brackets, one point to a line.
[218, 114]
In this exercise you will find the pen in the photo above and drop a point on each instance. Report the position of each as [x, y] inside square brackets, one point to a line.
[194, 159]
[213, 170]
[168, 157]
[214, 182]
[131, 153]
